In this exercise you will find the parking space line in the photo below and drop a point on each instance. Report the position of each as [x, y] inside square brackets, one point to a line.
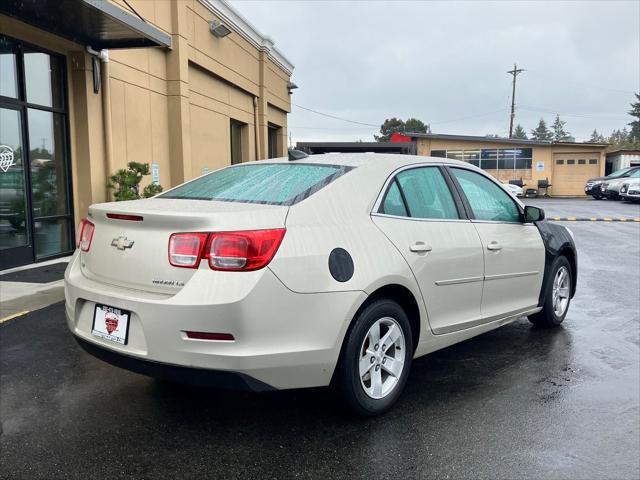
[595, 219]
[15, 315]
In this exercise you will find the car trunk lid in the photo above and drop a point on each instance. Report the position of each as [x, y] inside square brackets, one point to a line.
[130, 242]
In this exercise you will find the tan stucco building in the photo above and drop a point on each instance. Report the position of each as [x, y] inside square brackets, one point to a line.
[565, 165]
[187, 86]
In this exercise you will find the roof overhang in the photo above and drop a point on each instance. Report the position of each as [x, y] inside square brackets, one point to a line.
[509, 141]
[357, 147]
[97, 23]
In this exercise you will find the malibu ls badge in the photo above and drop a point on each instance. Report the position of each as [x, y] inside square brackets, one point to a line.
[122, 242]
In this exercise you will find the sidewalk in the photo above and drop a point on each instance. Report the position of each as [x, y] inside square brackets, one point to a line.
[25, 289]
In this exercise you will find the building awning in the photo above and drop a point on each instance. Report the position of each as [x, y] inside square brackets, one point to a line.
[97, 23]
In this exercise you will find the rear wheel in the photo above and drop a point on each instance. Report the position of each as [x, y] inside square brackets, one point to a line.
[376, 358]
[557, 297]
[597, 197]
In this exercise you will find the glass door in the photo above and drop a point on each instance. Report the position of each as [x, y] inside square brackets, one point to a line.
[15, 234]
[36, 220]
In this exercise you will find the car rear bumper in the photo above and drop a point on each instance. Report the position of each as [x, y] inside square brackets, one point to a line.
[282, 339]
[175, 373]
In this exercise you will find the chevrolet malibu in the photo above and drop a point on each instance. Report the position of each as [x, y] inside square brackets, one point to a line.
[303, 272]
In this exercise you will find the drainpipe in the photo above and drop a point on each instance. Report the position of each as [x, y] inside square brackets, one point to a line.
[255, 130]
[103, 56]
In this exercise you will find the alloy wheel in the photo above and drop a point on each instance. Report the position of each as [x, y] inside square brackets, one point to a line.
[561, 290]
[382, 358]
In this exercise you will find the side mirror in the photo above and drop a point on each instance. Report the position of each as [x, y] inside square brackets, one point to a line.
[533, 214]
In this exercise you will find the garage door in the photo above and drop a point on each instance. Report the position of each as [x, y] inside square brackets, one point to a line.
[572, 170]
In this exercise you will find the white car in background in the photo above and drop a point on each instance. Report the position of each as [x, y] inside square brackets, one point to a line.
[630, 189]
[515, 190]
[327, 270]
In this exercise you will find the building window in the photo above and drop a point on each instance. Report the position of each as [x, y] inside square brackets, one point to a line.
[582, 161]
[491, 158]
[274, 136]
[237, 130]
[37, 216]
[571, 162]
[560, 162]
[593, 161]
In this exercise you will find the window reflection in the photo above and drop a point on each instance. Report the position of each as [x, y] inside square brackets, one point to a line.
[51, 236]
[13, 225]
[8, 76]
[43, 76]
[48, 179]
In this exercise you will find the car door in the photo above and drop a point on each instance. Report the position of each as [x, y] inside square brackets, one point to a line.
[422, 216]
[514, 253]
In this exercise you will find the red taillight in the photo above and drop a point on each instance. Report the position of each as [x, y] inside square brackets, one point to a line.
[185, 249]
[225, 337]
[231, 251]
[84, 235]
[247, 250]
[122, 216]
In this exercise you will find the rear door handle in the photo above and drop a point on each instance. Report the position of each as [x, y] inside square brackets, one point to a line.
[494, 246]
[420, 247]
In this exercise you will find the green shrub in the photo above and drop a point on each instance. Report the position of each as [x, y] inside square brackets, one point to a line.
[126, 182]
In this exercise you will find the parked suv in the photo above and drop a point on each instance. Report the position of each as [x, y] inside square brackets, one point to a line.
[593, 186]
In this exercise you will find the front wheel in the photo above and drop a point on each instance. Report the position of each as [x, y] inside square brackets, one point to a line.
[557, 296]
[376, 358]
[597, 197]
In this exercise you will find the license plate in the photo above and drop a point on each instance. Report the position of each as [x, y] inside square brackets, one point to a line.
[111, 324]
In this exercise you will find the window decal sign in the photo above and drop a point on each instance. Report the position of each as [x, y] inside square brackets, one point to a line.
[155, 174]
[6, 158]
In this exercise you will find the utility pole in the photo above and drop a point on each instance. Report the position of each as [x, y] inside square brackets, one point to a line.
[514, 73]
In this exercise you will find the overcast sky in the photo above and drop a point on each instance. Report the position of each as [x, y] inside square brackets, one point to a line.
[445, 63]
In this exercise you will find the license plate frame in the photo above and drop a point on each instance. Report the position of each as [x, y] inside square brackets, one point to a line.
[111, 320]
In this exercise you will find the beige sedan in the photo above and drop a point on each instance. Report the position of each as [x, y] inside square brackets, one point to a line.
[313, 271]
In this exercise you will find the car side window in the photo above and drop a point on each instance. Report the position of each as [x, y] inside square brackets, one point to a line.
[427, 194]
[393, 203]
[488, 201]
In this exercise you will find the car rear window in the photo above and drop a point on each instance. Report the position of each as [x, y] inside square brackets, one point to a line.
[271, 183]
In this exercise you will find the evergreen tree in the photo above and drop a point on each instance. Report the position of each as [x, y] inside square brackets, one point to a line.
[559, 133]
[414, 125]
[389, 126]
[520, 132]
[620, 139]
[634, 135]
[541, 132]
[597, 137]
[392, 125]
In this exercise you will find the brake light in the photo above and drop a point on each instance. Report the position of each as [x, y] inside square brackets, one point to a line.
[122, 216]
[185, 249]
[85, 235]
[246, 250]
[230, 251]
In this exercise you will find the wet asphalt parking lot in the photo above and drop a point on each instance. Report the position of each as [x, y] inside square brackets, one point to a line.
[518, 402]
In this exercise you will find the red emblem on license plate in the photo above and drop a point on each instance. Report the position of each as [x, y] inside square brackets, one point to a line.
[111, 322]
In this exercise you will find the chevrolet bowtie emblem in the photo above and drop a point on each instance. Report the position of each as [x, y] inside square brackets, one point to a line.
[121, 243]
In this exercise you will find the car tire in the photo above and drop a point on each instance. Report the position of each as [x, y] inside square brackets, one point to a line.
[375, 395]
[597, 197]
[557, 297]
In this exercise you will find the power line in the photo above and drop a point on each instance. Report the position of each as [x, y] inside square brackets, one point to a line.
[579, 115]
[377, 126]
[335, 117]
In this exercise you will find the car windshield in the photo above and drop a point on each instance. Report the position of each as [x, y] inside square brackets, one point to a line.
[266, 183]
[635, 174]
[620, 173]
